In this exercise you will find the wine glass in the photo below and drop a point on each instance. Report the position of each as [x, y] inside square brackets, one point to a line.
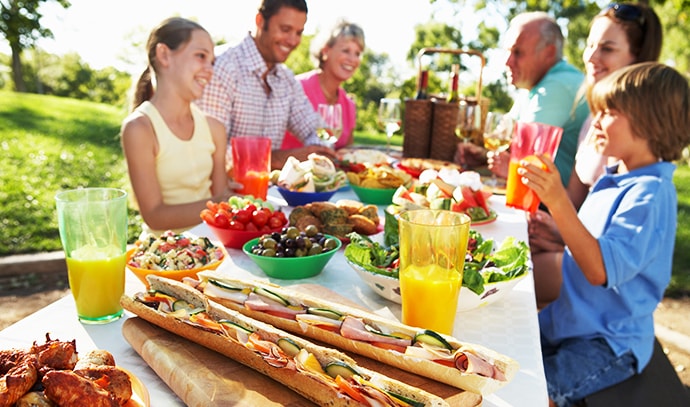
[469, 120]
[389, 117]
[331, 125]
[498, 133]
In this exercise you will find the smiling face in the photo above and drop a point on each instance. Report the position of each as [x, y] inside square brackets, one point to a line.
[191, 65]
[607, 49]
[614, 137]
[282, 33]
[343, 58]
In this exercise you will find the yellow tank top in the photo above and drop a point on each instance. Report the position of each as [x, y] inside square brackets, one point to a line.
[183, 167]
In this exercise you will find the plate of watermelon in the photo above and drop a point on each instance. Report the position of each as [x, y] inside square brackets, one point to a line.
[450, 190]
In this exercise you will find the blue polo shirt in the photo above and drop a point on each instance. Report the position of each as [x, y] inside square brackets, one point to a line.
[553, 101]
[633, 217]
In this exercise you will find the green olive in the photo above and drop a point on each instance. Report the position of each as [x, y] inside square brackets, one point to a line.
[292, 232]
[311, 230]
[301, 252]
[268, 253]
[315, 249]
[330, 244]
[269, 243]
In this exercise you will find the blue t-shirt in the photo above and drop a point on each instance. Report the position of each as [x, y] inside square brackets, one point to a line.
[553, 101]
[633, 216]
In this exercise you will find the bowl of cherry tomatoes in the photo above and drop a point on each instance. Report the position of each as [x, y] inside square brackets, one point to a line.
[242, 219]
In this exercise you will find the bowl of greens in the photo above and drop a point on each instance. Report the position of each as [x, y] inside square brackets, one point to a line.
[491, 270]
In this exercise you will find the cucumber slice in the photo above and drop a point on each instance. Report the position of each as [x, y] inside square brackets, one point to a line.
[327, 313]
[233, 325]
[224, 285]
[179, 305]
[405, 400]
[433, 339]
[341, 369]
[288, 346]
[377, 332]
[270, 294]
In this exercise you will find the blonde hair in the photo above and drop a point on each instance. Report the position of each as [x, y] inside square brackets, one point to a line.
[343, 29]
[655, 98]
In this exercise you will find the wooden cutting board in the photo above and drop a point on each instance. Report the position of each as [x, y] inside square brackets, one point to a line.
[202, 377]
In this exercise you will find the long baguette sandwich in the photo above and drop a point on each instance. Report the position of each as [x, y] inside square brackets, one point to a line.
[443, 358]
[322, 375]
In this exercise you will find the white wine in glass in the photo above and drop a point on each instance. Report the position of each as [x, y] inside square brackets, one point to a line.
[469, 120]
[498, 133]
[389, 117]
[331, 125]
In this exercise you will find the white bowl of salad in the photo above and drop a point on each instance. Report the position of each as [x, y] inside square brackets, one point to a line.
[491, 273]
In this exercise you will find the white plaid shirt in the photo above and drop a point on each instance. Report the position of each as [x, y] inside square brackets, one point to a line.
[237, 98]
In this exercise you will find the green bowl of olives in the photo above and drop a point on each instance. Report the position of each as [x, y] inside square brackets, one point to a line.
[292, 254]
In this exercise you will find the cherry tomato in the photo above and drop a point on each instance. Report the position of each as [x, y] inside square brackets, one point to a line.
[235, 225]
[251, 208]
[265, 228]
[259, 218]
[280, 215]
[275, 222]
[251, 227]
[243, 215]
[221, 220]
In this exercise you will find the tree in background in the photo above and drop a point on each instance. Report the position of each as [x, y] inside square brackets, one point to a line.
[20, 25]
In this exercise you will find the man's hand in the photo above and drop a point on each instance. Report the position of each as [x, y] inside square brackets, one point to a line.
[498, 163]
[469, 155]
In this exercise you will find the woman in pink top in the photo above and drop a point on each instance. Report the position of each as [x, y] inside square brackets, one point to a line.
[338, 57]
[175, 153]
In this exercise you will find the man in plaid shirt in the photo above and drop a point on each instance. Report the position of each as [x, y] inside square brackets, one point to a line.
[254, 94]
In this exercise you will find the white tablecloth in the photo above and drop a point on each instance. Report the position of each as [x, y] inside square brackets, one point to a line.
[508, 326]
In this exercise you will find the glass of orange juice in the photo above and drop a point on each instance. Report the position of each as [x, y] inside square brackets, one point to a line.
[529, 139]
[433, 245]
[251, 161]
[93, 230]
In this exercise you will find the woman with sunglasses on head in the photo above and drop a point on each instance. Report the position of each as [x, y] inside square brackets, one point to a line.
[620, 35]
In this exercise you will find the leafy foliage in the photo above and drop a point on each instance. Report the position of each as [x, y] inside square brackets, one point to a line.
[49, 144]
[21, 26]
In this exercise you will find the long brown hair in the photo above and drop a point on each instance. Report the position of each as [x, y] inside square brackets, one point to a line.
[173, 32]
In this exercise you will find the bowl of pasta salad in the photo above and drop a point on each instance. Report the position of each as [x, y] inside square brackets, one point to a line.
[173, 256]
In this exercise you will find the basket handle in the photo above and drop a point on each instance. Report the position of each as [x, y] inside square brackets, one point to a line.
[471, 52]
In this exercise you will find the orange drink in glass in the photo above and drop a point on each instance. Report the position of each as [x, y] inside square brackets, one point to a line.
[529, 139]
[433, 245]
[251, 161]
[93, 230]
[518, 194]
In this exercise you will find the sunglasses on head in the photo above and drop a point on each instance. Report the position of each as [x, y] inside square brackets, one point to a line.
[625, 12]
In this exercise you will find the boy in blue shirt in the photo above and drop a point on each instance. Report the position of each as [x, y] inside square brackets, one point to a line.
[619, 246]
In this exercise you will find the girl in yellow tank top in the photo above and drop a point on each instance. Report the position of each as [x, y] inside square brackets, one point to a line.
[175, 154]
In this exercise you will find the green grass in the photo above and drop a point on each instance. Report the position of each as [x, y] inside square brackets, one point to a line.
[48, 144]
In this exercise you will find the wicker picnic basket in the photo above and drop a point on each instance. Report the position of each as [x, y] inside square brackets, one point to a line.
[430, 124]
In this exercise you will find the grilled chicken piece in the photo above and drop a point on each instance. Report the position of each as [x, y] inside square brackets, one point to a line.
[55, 354]
[113, 379]
[18, 373]
[68, 389]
